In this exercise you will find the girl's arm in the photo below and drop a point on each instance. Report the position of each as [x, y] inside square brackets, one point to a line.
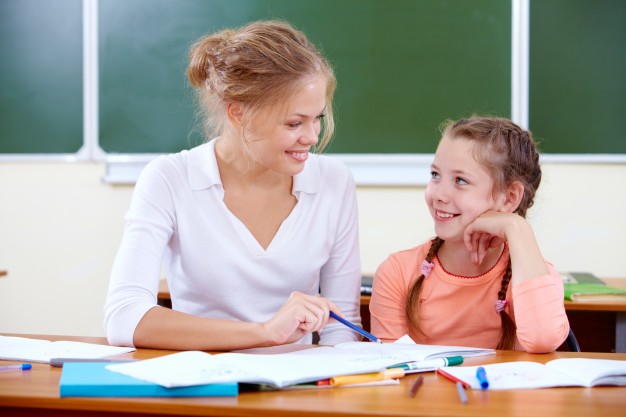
[387, 305]
[492, 228]
[542, 323]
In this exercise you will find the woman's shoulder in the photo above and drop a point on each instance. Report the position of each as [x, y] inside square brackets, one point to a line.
[328, 173]
[167, 168]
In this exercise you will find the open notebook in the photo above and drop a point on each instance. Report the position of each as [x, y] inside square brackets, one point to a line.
[570, 372]
[285, 369]
[39, 350]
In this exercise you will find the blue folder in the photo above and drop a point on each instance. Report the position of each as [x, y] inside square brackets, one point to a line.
[92, 379]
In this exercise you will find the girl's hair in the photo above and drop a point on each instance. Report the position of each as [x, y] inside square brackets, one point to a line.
[259, 66]
[510, 154]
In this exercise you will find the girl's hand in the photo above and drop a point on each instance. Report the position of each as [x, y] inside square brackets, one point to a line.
[300, 315]
[489, 230]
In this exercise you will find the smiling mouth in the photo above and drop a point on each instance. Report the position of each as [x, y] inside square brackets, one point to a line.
[299, 156]
[444, 216]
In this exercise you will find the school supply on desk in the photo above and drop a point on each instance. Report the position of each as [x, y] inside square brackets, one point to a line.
[570, 372]
[580, 278]
[38, 350]
[429, 365]
[58, 362]
[369, 377]
[481, 376]
[92, 379]
[460, 390]
[21, 367]
[593, 292]
[416, 386]
[286, 369]
[446, 375]
[357, 329]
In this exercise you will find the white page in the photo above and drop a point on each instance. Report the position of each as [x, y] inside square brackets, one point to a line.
[514, 375]
[408, 349]
[38, 350]
[589, 370]
[195, 368]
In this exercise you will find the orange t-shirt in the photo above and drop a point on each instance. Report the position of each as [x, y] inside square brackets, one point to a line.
[461, 311]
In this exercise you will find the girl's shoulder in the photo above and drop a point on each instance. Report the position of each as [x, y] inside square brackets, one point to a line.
[412, 255]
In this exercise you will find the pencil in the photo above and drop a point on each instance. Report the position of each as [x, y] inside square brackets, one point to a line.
[416, 386]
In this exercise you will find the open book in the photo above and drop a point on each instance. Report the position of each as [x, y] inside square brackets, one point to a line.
[286, 369]
[571, 372]
[38, 350]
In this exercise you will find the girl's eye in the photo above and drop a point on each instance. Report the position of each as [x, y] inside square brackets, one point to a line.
[434, 175]
[461, 181]
[320, 117]
[294, 124]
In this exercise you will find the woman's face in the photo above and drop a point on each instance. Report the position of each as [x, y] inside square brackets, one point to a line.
[282, 142]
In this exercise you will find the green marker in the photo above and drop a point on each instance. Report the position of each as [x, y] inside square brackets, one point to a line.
[431, 364]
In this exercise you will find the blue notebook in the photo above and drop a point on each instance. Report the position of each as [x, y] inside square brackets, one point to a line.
[92, 379]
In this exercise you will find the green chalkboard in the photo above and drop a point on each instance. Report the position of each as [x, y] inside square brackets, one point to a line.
[41, 79]
[403, 66]
[578, 75]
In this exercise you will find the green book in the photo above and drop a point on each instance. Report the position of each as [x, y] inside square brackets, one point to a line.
[580, 278]
[593, 292]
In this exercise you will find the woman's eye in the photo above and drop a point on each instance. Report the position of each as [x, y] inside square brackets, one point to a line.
[294, 124]
[461, 181]
[434, 175]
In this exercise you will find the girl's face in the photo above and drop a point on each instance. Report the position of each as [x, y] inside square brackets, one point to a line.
[282, 143]
[460, 188]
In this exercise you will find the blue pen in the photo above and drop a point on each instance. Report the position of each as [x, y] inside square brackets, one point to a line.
[22, 367]
[481, 375]
[355, 328]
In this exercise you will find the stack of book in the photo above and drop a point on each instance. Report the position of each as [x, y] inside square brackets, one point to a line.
[583, 286]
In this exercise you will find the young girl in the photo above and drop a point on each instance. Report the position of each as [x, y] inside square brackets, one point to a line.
[482, 281]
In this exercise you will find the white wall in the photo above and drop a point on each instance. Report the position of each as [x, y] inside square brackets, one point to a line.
[60, 227]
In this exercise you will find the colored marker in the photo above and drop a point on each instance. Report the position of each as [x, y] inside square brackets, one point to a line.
[370, 377]
[481, 375]
[22, 367]
[355, 328]
[429, 364]
[416, 386]
[461, 391]
[452, 378]
[58, 362]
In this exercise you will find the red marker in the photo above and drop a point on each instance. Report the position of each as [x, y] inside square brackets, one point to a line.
[452, 378]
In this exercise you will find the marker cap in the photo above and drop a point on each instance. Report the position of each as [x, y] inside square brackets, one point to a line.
[454, 360]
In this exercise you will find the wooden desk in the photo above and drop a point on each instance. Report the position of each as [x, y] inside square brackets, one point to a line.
[598, 326]
[36, 392]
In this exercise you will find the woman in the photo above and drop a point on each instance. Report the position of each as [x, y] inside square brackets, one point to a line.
[259, 236]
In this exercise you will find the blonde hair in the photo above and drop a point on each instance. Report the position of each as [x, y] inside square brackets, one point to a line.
[259, 66]
[510, 154]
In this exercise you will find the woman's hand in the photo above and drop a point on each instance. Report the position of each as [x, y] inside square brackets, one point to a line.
[300, 315]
